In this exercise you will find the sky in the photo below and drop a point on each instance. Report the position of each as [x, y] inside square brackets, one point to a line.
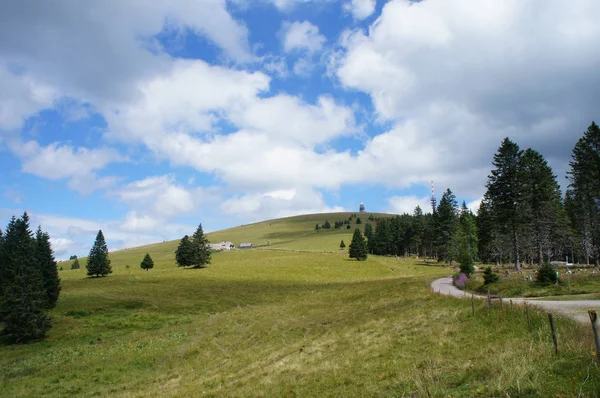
[146, 118]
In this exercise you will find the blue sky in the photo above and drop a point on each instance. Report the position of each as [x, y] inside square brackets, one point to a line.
[145, 118]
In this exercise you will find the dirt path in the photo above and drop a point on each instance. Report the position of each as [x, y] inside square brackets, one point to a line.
[576, 309]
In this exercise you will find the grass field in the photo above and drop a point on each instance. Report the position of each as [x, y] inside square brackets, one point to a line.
[269, 322]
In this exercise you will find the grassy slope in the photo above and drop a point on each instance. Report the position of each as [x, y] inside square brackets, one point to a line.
[268, 323]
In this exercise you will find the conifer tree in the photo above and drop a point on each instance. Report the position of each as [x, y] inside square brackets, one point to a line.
[184, 255]
[22, 295]
[342, 245]
[98, 263]
[466, 240]
[47, 264]
[358, 246]
[147, 262]
[446, 220]
[200, 249]
[417, 229]
[506, 193]
[75, 264]
[327, 225]
[358, 220]
[370, 237]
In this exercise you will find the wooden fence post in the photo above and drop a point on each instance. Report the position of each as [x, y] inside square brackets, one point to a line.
[500, 303]
[473, 304]
[554, 334]
[511, 308]
[596, 329]
[489, 300]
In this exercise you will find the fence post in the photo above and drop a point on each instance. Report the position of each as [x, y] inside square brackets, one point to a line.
[554, 335]
[527, 312]
[500, 303]
[473, 304]
[596, 329]
[511, 308]
[489, 300]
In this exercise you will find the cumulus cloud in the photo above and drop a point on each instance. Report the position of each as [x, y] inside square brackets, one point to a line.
[407, 204]
[360, 9]
[303, 36]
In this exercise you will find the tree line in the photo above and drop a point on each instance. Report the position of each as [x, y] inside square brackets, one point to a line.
[523, 217]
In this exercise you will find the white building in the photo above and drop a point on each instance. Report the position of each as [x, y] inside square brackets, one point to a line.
[222, 246]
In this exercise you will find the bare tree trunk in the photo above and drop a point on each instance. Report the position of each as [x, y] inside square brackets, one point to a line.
[516, 248]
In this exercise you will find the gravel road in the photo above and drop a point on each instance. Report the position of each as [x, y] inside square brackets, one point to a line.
[576, 309]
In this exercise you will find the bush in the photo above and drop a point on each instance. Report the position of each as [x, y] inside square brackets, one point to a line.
[490, 276]
[467, 268]
[547, 275]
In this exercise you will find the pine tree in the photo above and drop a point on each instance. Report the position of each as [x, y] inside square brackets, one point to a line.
[358, 220]
[358, 246]
[342, 245]
[327, 225]
[370, 238]
[23, 294]
[75, 264]
[490, 276]
[317, 227]
[200, 249]
[466, 240]
[184, 254]
[98, 263]
[47, 264]
[147, 262]
[446, 219]
[506, 193]
[543, 206]
[418, 229]
[584, 179]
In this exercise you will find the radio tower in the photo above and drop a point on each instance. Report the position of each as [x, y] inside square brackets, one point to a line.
[433, 201]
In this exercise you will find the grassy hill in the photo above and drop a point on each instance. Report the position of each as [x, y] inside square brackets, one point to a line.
[269, 323]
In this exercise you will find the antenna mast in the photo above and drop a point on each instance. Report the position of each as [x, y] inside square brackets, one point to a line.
[433, 201]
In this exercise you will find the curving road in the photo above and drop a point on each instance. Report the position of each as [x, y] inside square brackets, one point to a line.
[576, 309]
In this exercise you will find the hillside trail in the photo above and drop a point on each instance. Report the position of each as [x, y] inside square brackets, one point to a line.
[576, 309]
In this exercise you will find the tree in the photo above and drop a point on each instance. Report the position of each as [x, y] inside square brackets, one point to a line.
[358, 246]
[418, 229]
[342, 245]
[22, 290]
[446, 223]
[184, 254]
[75, 264]
[47, 263]
[547, 275]
[358, 220]
[466, 240]
[370, 237]
[317, 227]
[348, 226]
[506, 193]
[490, 276]
[584, 183]
[98, 263]
[543, 206]
[327, 225]
[73, 257]
[147, 262]
[200, 249]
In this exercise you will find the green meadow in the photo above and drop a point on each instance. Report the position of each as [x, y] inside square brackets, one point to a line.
[294, 318]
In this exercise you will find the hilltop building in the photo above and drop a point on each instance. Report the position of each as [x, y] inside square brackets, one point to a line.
[245, 246]
[361, 209]
[222, 246]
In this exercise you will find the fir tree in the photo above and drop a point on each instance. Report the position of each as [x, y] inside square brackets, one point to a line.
[342, 245]
[466, 240]
[370, 237]
[546, 275]
[98, 263]
[75, 264]
[200, 249]
[417, 229]
[184, 255]
[358, 246]
[317, 227]
[490, 276]
[47, 264]
[358, 220]
[147, 262]
[506, 193]
[327, 225]
[446, 219]
[22, 295]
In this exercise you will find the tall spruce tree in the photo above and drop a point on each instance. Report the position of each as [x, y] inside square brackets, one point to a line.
[75, 264]
[584, 179]
[418, 228]
[358, 246]
[22, 295]
[446, 220]
[47, 264]
[506, 193]
[98, 262]
[370, 238]
[184, 255]
[543, 206]
[342, 245]
[147, 262]
[466, 240]
[200, 249]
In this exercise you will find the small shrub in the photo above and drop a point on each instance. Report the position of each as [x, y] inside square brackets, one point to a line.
[467, 268]
[547, 275]
[490, 276]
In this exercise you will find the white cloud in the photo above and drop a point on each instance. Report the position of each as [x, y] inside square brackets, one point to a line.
[57, 161]
[407, 204]
[360, 9]
[303, 36]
